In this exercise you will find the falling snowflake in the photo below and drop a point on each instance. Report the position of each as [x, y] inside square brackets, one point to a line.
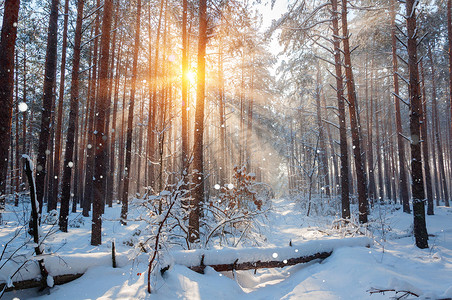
[217, 186]
[23, 107]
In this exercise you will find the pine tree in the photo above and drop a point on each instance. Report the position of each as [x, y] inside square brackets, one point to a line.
[100, 140]
[47, 102]
[198, 146]
[417, 184]
[7, 48]
[69, 164]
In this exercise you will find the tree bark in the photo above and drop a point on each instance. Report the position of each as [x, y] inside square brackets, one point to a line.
[34, 222]
[378, 151]
[185, 104]
[153, 104]
[254, 265]
[47, 101]
[7, 48]
[417, 184]
[221, 106]
[403, 183]
[70, 138]
[323, 155]
[89, 160]
[360, 173]
[109, 184]
[114, 128]
[125, 195]
[449, 35]
[344, 171]
[198, 151]
[101, 136]
[442, 171]
[425, 152]
[59, 129]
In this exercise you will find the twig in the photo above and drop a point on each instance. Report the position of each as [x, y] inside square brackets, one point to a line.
[382, 291]
[157, 241]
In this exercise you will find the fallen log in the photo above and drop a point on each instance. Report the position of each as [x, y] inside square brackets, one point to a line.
[262, 264]
[228, 259]
[32, 283]
[63, 268]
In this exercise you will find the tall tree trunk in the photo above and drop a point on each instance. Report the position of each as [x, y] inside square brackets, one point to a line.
[185, 104]
[122, 136]
[109, 131]
[7, 48]
[249, 125]
[345, 195]
[49, 176]
[403, 183]
[449, 34]
[378, 151]
[81, 152]
[442, 171]
[17, 155]
[49, 89]
[59, 129]
[101, 137]
[370, 146]
[89, 161]
[198, 164]
[140, 145]
[417, 185]
[163, 105]
[76, 173]
[323, 155]
[360, 173]
[125, 195]
[425, 152]
[24, 100]
[221, 106]
[111, 174]
[69, 163]
[153, 104]
[386, 152]
[335, 178]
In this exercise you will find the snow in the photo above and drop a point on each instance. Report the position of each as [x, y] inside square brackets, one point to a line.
[264, 254]
[50, 282]
[23, 107]
[392, 262]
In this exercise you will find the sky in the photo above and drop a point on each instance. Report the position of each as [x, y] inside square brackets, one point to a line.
[268, 15]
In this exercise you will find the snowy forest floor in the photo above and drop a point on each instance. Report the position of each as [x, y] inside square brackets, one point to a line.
[392, 262]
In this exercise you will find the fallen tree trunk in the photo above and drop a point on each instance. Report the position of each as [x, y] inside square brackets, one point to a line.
[228, 259]
[262, 264]
[32, 283]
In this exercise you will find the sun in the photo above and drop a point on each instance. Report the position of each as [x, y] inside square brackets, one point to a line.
[191, 76]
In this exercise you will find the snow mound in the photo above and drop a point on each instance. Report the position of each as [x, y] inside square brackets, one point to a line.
[234, 255]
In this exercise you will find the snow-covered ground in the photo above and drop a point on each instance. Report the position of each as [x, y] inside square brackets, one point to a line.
[392, 262]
